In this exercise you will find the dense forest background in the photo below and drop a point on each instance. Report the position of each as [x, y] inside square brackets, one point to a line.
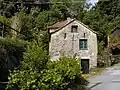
[24, 22]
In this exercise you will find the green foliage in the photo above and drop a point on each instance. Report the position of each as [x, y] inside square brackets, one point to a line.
[5, 29]
[12, 42]
[34, 61]
[100, 47]
[42, 20]
[8, 8]
[23, 80]
[103, 18]
[60, 10]
[110, 7]
[11, 50]
[5, 20]
[25, 25]
[60, 74]
[34, 58]
[37, 72]
[68, 8]
[8, 47]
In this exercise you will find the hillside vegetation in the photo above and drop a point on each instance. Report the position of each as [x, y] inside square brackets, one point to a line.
[25, 39]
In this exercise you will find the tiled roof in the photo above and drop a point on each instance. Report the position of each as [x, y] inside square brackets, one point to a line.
[59, 24]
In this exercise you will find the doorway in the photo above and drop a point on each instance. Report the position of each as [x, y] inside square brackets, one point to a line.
[85, 66]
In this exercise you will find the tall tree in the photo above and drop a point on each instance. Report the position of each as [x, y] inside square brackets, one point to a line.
[103, 18]
[8, 8]
[65, 8]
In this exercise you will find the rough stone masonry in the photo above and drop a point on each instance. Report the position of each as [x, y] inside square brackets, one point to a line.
[64, 42]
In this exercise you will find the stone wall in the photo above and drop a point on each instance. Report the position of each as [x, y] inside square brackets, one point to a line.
[66, 43]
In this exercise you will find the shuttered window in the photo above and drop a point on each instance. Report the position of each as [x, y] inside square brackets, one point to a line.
[83, 44]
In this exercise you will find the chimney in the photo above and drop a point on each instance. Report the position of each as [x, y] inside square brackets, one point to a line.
[69, 19]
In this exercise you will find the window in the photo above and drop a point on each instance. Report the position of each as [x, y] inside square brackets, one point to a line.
[64, 35]
[74, 28]
[83, 45]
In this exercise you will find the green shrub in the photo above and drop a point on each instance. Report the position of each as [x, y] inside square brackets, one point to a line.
[6, 29]
[34, 61]
[61, 74]
[37, 72]
[10, 46]
[11, 50]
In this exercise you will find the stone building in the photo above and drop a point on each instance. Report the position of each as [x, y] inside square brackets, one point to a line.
[72, 38]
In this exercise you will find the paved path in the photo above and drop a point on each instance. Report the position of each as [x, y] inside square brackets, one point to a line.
[108, 80]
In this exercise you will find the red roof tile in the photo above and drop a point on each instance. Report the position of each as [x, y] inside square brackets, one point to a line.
[64, 23]
[58, 25]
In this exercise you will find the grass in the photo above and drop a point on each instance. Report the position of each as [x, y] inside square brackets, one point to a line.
[93, 72]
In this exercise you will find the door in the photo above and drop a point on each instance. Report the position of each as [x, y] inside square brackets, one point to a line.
[85, 66]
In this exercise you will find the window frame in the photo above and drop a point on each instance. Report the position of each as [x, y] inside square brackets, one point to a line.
[83, 44]
[74, 27]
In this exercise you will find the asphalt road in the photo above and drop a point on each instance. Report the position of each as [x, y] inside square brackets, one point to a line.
[108, 80]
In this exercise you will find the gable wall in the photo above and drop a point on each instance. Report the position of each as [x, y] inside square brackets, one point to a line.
[70, 45]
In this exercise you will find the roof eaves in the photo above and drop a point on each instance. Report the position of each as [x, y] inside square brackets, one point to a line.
[77, 21]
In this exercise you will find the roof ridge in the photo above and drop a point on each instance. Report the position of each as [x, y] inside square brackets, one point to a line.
[57, 28]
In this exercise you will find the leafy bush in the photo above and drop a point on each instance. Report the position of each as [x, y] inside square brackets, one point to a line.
[6, 30]
[35, 58]
[34, 61]
[37, 72]
[11, 53]
[25, 25]
[61, 74]
[11, 47]
[10, 50]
